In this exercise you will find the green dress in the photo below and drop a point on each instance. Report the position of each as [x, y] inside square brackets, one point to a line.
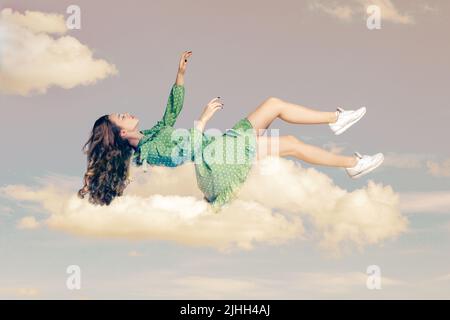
[222, 162]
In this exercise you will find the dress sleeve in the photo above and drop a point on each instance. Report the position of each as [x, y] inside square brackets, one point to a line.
[174, 104]
[173, 109]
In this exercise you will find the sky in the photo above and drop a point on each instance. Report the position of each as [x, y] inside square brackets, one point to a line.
[305, 232]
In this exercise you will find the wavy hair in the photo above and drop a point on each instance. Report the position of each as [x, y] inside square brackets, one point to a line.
[108, 162]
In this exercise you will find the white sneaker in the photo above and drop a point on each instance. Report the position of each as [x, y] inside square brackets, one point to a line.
[346, 119]
[365, 165]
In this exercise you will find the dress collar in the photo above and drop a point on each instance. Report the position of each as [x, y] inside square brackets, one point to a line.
[143, 140]
[140, 153]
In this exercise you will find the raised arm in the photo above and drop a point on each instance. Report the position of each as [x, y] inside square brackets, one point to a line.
[182, 68]
[174, 105]
[175, 100]
[198, 138]
[176, 97]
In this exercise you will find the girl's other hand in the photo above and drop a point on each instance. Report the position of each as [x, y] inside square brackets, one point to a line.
[210, 109]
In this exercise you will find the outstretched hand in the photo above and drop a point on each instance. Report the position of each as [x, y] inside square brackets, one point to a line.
[211, 108]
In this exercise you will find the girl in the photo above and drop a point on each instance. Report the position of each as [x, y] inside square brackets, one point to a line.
[115, 141]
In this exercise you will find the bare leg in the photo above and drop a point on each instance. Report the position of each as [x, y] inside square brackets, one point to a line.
[290, 146]
[273, 108]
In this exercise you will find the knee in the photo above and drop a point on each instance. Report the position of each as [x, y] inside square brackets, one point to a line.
[272, 100]
[292, 139]
[289, 144]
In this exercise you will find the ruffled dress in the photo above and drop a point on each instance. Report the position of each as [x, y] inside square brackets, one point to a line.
[222, 162]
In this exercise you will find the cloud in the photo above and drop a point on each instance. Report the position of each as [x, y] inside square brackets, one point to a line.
[363, 216]
[425, 202]
[293, 285]
[348, 11]
[342, 12]
[405, 160]
[27, 292]
[439, 169]
[33, 60]
[278, 196]
[296, 283]
[338, 283]
[19, 292]
[35, 21]
[333, 147]
[28, 223]
[173, 284]
[286, 285]
[417, 161]
[389, 12]
[428, 8]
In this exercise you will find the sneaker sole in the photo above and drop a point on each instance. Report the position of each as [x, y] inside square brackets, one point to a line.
[350, 124]
[370, 169]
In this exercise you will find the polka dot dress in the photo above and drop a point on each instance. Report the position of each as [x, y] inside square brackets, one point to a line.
[222, 163]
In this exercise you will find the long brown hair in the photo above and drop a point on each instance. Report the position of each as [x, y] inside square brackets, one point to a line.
[108, 162]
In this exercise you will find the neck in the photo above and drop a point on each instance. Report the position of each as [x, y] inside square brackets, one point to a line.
[134, 138]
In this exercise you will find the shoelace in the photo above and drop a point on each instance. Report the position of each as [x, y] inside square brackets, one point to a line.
[340, 110]
[359, 156]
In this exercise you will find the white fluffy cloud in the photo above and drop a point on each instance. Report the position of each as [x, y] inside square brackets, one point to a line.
[33, 58]
[279, 195]
[35, 21]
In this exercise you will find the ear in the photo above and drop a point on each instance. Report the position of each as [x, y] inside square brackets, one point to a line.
[123, 133]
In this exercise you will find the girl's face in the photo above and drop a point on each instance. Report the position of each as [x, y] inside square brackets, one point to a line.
[125, 121]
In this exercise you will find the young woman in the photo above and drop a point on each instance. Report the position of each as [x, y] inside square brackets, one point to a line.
[116, 140]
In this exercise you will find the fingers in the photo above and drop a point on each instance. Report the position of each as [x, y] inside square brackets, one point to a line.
[185, 55]
[211, 101]
[212, 107]
[216, 105]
